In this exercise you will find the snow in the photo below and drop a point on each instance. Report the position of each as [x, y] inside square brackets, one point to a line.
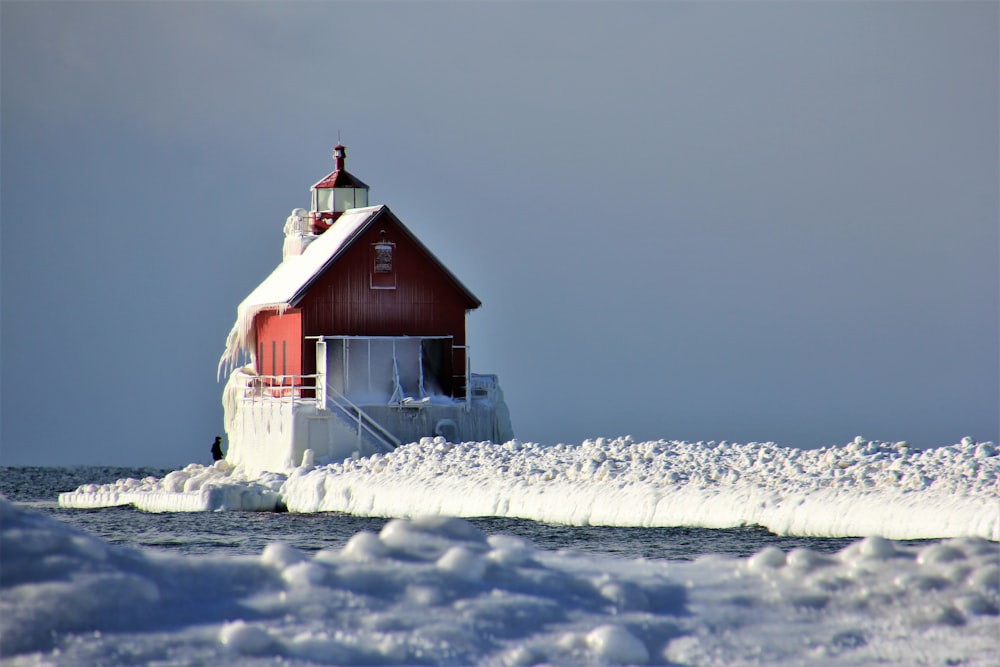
[281, 288]
[437, 591]
[195, 488]
[859, 489]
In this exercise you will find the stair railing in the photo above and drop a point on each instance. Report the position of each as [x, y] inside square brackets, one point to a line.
[366, 424]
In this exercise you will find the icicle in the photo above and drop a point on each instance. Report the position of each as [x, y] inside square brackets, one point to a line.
[241, 338]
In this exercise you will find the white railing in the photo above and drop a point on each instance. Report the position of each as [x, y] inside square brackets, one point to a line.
[279, 388]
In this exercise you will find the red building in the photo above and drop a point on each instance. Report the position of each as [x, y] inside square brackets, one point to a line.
[361, 311]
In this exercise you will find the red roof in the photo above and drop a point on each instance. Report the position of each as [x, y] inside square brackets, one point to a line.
[339, 178]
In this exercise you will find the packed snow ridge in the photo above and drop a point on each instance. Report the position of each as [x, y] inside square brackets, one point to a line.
[862, 488]
[438, 591]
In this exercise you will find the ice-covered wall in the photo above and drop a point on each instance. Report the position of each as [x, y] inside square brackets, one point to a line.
[273, 433]
[260, 428]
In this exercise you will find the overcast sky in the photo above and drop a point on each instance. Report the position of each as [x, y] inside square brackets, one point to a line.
[771, 221]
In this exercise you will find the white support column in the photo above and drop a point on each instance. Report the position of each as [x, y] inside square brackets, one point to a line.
[468, 381]
[420, 363]
[321, 374]
[346, 346]
[397, 387]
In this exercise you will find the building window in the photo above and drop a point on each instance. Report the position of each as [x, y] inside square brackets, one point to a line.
[383, 258]
[383, 269]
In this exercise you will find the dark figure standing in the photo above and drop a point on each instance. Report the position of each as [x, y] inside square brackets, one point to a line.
[217, 449]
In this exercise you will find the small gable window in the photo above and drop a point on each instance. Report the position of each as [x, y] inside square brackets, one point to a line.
[383, 267]
[383, 258]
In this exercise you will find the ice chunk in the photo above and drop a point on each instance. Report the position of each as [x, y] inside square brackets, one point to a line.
[462, 562]
[614, 644]
[244, 638]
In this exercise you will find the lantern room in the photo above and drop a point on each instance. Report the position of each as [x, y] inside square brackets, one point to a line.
[336, 193]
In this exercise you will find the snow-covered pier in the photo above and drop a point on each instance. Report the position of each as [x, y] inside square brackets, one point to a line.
[861, 488]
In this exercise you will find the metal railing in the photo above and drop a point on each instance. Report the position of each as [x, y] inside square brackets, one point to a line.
[280, 388]
[365, 423]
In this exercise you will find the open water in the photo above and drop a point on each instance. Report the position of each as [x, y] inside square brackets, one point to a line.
[228, 533]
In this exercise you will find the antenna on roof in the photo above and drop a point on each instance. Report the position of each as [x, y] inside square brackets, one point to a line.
[338, 136]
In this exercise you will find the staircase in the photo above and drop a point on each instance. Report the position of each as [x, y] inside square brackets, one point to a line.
[367, 430]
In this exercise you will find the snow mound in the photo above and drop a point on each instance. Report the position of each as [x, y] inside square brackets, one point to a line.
[862, 488]
[196, 488]
[437, 591]
[859, 489]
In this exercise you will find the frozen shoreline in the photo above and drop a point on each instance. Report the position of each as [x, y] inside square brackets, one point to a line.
[859, 489]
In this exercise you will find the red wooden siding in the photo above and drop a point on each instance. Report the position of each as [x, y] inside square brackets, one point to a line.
[424, 302]
[279, 342]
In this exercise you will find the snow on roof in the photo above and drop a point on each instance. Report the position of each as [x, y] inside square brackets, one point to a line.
[289, 281]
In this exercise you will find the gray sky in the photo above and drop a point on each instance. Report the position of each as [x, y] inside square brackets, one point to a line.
[770, 221]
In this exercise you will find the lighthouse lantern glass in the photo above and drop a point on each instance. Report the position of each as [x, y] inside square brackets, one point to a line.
[339, 199]
[343, 199]
[323, 199]
[346, 198]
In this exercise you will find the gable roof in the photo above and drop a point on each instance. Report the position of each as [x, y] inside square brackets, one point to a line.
[290, 280]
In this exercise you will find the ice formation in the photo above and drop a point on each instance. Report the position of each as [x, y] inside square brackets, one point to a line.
[438, 591]
[195, 488]
[862, 488]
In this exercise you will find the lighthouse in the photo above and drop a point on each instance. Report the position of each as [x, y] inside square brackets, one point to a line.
[337, 192]
[354, 344]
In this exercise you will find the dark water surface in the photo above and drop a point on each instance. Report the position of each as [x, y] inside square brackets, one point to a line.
[228, 533]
